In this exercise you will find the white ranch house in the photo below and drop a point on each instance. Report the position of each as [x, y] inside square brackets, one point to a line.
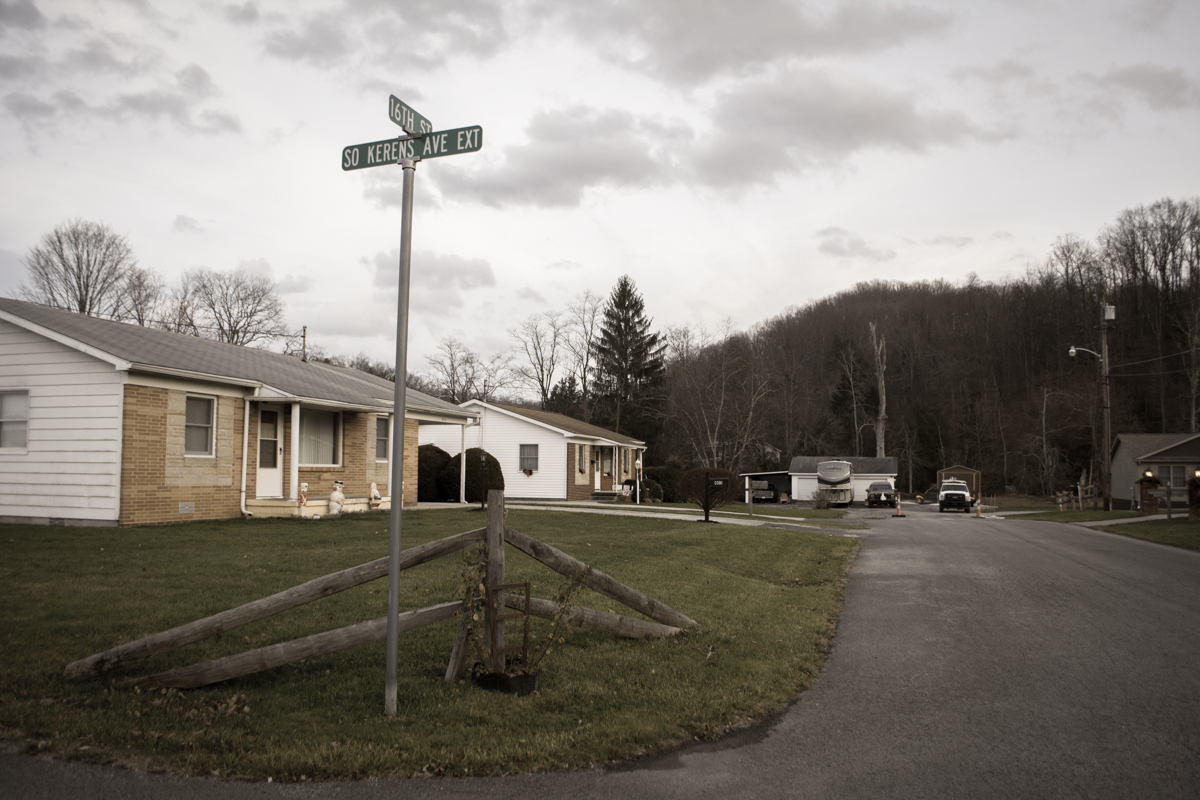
[543, 455]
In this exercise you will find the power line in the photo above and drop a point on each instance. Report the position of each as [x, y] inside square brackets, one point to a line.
[1148, 360]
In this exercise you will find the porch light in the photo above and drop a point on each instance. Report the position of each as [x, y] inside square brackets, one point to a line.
[1150, 473]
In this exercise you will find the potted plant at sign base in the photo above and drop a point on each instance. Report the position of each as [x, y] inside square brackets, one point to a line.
[520, 677]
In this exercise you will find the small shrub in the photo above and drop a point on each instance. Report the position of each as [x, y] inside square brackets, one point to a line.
[430, 460]
[476, 491]
[652, 490]
[822, 498]
[695, 484]
[670, 477]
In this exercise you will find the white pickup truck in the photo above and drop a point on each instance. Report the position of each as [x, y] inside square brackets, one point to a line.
[954, 494]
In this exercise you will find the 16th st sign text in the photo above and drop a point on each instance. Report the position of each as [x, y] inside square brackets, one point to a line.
[431, 145]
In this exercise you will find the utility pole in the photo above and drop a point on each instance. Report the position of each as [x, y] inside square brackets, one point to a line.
[1107, 313]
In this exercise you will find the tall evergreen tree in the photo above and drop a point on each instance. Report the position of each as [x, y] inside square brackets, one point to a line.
[629, 359]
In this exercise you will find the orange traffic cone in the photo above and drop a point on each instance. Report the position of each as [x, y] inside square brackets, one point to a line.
[898, 512]
[979, 508]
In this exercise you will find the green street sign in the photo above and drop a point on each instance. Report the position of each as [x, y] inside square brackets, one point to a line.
[403, 115]
[449, 143]
[376, 154]
[417, 148]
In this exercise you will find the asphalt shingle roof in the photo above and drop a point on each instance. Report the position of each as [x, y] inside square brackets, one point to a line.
[152, 348]
[807, 465]
[1142, 444]
[563, 422]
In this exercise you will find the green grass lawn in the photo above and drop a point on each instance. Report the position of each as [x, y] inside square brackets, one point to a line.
[1179, 532]
[766, 599]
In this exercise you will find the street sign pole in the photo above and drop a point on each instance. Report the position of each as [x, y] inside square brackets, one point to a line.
[421, 143]
[396, 486]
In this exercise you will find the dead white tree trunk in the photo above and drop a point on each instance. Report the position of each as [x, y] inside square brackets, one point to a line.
[879, 347]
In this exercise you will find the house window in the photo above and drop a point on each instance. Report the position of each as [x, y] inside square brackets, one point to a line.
[320, 440]
[1171, 476]
[624, 462]
[529, 457]
[581, 457]
[607, 461]
[382, 429]
[198, 426]
[14, 419]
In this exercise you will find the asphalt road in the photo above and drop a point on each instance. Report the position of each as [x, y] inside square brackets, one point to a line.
[975, 658]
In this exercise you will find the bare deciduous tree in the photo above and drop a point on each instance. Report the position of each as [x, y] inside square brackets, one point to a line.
[142, 296]
[234, 306]
[461, 374]
[540, 338]
[80, 266]
[584, 317]
[715, 387]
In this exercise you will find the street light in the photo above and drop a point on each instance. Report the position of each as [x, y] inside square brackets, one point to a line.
[1107, 313]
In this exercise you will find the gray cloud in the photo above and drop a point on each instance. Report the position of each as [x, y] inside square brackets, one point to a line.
[24, 68]
[177, 104]
[366, 32]
[810, 118]
[1150, 15]
[184, 224]
[320, 40]
[21, 14]
[530, 293]
[841, 243]
[293, 284]
[245, 14]
[687, 43]
[569, 151]
[98, 56]
[29, 109]
[438, 281]
[1161, 88]
[950, 241]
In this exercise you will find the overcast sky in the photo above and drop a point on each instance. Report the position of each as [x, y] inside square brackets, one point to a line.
[733, 158]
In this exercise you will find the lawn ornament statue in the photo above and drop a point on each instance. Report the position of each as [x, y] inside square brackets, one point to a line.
[376, 497]
[336, 498]
[303, 499]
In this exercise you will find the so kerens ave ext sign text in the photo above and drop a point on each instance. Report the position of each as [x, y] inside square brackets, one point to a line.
[431, 145]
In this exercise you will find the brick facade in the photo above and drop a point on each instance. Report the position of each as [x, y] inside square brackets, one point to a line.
[155, 476]
[580, 485]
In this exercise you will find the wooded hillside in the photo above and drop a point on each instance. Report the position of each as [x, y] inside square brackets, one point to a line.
[976, 373]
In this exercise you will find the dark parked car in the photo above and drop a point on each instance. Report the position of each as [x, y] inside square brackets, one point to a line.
[881, 494]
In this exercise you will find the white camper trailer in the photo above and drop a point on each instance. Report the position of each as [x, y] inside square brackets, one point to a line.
[836, 477]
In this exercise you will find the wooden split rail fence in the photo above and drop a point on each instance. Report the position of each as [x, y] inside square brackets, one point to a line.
[667, 621]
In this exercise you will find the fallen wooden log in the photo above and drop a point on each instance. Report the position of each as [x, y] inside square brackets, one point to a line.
[156, 643]
[590, 618]
[597, 581]
[277, 655]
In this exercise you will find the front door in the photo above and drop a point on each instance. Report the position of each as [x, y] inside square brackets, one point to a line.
[596, 464]
[270, 453]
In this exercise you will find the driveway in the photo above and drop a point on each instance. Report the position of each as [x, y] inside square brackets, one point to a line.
[975, 658]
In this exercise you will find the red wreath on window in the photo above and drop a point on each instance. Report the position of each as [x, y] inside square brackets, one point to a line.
[528, 473]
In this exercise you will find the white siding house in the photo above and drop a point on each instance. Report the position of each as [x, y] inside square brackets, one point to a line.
[551, 445]
[105, 423]
[67, 464]
[803, 473]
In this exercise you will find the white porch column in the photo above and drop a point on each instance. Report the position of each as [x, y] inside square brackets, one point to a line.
[462, 467]
[294, 462]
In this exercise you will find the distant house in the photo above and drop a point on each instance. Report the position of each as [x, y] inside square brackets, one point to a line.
[543, 455]
[104, 423]
[1168, 455]
[803, 473]
[1172, 457]
[800, 479]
